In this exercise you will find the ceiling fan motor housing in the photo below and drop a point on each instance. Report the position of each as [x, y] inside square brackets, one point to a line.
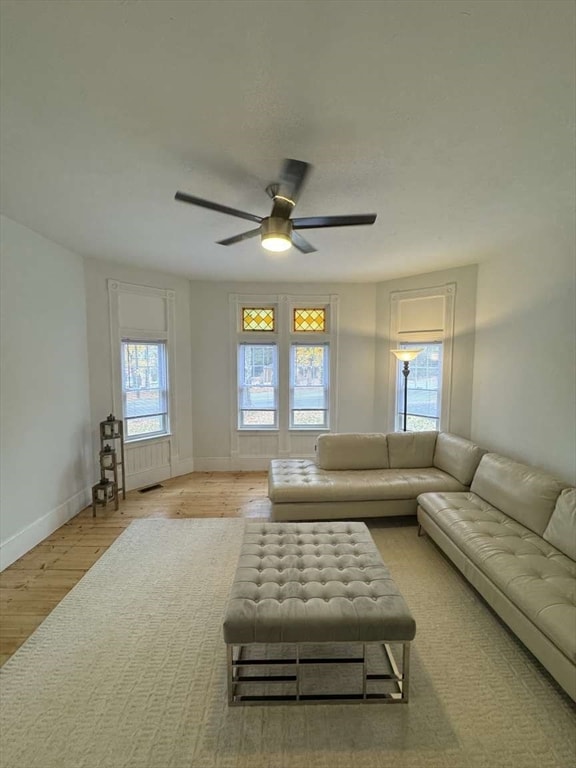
[276, 227]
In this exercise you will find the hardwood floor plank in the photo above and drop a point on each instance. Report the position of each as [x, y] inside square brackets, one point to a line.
[32, 586]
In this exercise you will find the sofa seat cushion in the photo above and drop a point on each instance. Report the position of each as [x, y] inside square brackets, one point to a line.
[294, 480]
[534, 575]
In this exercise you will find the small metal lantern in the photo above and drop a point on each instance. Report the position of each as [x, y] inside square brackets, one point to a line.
[110, 428]
[103, 492]
[108, 458]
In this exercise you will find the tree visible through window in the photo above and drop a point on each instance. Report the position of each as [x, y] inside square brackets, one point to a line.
[144, 388]
[283, 364]
[257, 377]
[308, 385]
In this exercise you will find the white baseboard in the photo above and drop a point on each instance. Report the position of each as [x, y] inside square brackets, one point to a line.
[33, 534]
[157, 474]
[147, 477]
[183, 467]
[235, 464]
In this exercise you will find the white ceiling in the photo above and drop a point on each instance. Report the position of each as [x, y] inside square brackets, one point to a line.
[453, 121]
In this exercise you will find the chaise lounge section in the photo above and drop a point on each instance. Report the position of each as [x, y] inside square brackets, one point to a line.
[370, 475]
[513, 536]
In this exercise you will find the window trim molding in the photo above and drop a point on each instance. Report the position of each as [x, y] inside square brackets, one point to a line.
[444, 335]
[118, 333]
[282, 336]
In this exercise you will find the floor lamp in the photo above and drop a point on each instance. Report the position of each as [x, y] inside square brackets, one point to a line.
[406, 355]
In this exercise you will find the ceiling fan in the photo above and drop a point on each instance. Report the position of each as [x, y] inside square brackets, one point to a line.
[278, 231]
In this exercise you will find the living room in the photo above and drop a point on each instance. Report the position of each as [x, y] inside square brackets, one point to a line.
[484, 94]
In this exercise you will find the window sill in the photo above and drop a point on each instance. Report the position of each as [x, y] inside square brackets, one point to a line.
[146, 439]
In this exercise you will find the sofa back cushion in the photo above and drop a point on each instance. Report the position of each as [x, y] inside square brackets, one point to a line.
[561, 530]
[352, 451]
[525, 493]
[457, 456]
[410, 450]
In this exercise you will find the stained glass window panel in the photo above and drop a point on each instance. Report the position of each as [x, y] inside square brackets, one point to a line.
[257, 318]
[309, 320]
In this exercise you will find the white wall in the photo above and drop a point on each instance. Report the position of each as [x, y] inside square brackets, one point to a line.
[463, 349]
[44, 405]
[147, 461]
[213, 378]
[524, 402]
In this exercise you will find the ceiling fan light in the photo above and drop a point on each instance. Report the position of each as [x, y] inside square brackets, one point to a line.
[276, 243]
[276, 234]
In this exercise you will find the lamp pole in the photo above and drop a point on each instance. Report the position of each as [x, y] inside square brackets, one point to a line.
[405, 373]
[405, 355]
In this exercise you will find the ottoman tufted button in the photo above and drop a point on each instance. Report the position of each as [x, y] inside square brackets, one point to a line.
[326, 599]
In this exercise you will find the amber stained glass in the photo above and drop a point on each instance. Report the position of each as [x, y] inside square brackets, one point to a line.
[309, 320]
[257, 318]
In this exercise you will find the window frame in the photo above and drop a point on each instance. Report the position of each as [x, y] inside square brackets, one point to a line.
[243, 387]
[165, 380]
[283, 336]
[118, 331]
[444, 334]
[399, 402]
[325, 386]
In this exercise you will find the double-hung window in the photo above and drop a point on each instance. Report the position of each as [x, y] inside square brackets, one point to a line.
[424, 384]
[284, 364]
[144, 388]
[257, 386]
[422, 319]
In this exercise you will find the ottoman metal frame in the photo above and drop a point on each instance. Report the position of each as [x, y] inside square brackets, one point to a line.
[236, 662]
[300, 585]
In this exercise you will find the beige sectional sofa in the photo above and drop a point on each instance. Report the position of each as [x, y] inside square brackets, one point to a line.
[510, 528]
[513, 536]
[370, 475]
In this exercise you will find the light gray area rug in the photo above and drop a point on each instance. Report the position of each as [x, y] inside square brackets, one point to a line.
[129, 671]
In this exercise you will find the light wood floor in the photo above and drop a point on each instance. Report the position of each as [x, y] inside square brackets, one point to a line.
[32, 586]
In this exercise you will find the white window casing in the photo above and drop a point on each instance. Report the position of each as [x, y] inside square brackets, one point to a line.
[284, 433]
[422, 316]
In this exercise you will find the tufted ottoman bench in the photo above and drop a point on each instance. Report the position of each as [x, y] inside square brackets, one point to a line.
[303, 586]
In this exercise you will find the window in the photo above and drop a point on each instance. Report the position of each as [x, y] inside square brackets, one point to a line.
[144, 388]
[424, 388]
[309, 386]
[283, 358]
[257, 386]
[422, 318]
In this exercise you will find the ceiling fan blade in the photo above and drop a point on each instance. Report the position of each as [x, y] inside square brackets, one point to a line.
[318, 222]
[239, 238]
[185, 198]
[301, 244]
[292, 178]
